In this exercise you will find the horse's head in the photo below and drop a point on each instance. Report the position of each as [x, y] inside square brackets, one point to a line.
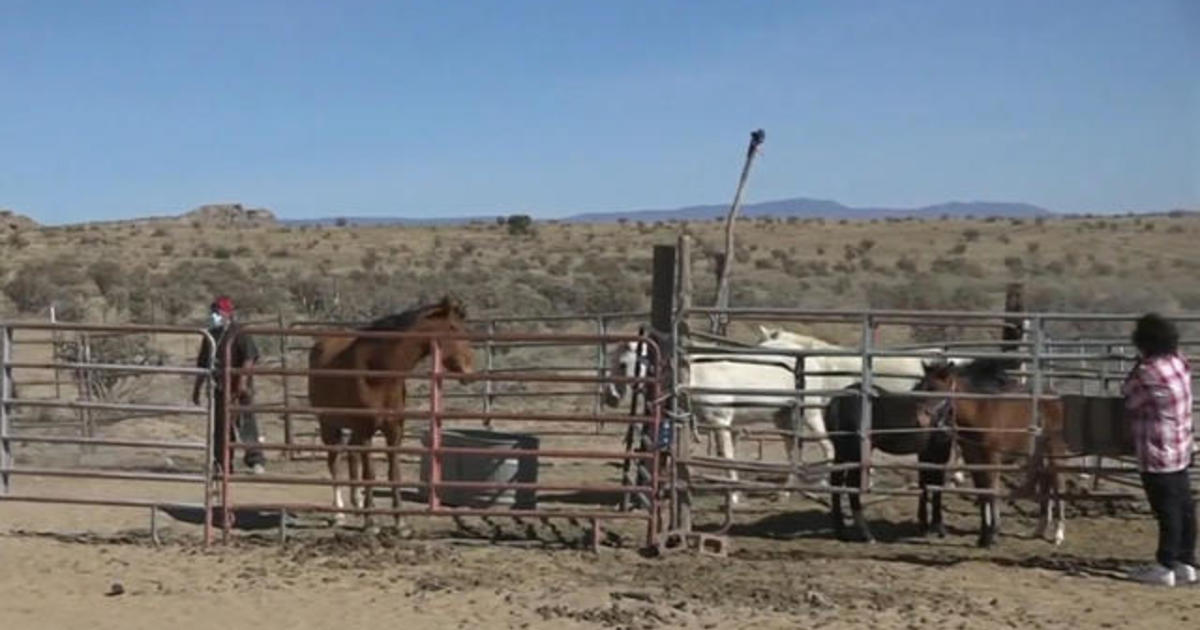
[449, 316]
[939, 375]
[622, 363]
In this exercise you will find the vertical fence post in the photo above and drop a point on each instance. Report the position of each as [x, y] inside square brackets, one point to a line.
[601, 369]
[55, 342]
[288, 435]
[864, 426]
[6, 458]
[489, 357]
[210, 424]
[656, 446]
[86, 383]
[1035, 416]
[227, 431]
[435, 424]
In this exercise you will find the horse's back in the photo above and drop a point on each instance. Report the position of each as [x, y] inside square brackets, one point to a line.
[331, 391]
[889, 411]
[727, 374]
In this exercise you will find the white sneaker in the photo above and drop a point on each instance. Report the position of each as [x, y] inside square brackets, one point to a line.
[1185, 574]
[1157, 575]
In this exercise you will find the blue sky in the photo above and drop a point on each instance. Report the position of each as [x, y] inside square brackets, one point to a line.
[124, 109]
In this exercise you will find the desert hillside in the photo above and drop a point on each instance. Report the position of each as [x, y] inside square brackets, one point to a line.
[166, 270]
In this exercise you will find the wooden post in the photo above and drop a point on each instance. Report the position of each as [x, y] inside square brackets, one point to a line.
[683, 288]
[756, 140]
[662, 289]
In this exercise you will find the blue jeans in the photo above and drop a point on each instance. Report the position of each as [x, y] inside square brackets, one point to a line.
[1170, 498]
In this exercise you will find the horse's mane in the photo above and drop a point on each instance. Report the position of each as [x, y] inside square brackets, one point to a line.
[404, 320]
[987, 375]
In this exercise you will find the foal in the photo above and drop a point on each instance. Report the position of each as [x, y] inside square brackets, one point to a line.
[992, 431]
[928, 440]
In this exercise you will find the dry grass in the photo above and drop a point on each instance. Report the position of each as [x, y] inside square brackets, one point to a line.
[165, 271]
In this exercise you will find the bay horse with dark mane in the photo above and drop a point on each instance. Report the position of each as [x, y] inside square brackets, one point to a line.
[993, 431]
[384, 394]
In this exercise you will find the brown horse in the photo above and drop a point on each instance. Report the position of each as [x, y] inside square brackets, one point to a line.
[385, 394]
[992, 431]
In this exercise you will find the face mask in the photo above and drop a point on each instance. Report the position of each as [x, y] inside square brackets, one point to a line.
[216, 320]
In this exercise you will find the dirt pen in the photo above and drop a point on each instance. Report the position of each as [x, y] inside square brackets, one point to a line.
[591, 540]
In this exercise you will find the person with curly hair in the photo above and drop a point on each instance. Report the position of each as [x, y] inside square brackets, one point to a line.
[1158, 405]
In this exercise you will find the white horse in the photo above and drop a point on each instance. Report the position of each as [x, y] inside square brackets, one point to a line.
[722, 371]
[767, 372]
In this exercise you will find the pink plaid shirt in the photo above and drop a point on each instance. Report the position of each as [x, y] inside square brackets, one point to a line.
[1158, 403]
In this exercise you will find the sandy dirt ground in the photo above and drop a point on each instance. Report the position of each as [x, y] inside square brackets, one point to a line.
[76, 567]
[97, 567]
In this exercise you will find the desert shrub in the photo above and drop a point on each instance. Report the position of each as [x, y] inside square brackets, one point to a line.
[926, 292]
[519, 224]
[107, 275]
[956, 266]
[37, 285]
[906, 264]
[112, 385]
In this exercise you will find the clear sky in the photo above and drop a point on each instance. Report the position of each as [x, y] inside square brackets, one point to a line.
[119, 109]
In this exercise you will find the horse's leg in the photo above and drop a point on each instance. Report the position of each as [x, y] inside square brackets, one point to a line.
[864, 530]
[725, 451]
[984, 480]
[1060, 523]
[393, 432]
[836, 481]
[814, 422]
[959, 477]
[785, 420]
[943, 451]
[362, 436]
[332, 436]
[990, 526]
[354, 472]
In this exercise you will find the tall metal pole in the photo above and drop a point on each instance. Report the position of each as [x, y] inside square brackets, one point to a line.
[756, 140]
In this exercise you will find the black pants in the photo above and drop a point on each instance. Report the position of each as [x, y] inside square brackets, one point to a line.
[245, 431]
[1171, 499]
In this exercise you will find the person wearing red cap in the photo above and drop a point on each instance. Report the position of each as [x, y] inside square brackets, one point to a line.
[244, 353]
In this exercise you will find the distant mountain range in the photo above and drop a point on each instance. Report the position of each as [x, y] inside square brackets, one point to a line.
[796, 207]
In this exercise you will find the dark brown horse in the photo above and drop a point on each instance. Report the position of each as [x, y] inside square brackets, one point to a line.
[385, 394]
[893, 413]
[993, 431]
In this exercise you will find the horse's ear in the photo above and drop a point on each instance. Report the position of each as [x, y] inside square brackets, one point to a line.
[766, 333]
[452, 305]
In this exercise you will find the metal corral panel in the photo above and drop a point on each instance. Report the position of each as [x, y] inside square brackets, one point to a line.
[1096, 425]
[484, 468]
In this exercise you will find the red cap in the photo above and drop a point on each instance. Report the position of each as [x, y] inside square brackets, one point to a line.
[223, 305]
